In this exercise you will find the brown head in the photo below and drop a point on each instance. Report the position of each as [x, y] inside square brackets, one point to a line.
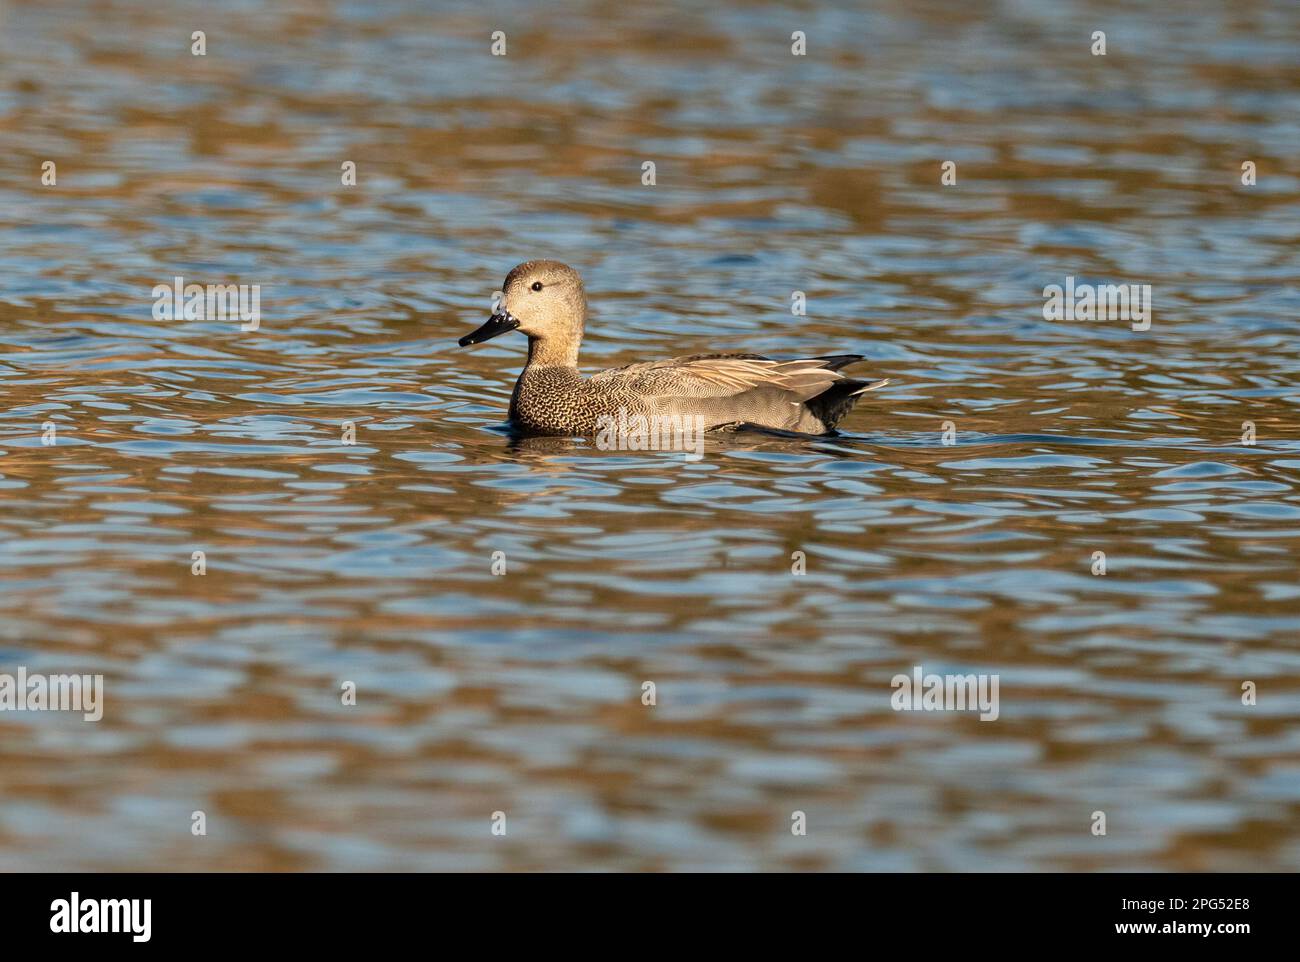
[546, 301]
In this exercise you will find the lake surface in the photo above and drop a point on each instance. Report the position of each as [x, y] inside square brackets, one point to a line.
[521, 693]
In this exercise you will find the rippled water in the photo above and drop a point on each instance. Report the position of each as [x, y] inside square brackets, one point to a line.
[522, 693]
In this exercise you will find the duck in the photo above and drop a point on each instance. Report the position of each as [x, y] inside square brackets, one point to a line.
[546, 301]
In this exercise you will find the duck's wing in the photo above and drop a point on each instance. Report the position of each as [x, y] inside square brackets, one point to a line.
[724, 375]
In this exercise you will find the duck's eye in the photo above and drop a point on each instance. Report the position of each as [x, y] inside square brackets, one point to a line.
[537, 285]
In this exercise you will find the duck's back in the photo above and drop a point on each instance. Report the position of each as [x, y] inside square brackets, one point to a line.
[736, 388]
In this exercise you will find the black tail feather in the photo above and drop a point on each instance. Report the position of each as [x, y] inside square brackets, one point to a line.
[836, 361]
[836, 401]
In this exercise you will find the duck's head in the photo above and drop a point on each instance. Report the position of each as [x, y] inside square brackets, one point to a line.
[543, 299]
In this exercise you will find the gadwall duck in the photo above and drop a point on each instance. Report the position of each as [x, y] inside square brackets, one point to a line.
[546, 301]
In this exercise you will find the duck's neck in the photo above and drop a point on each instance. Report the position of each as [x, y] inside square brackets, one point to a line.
[552, 352]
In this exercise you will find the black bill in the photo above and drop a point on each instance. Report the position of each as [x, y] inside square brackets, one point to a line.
[496, 324]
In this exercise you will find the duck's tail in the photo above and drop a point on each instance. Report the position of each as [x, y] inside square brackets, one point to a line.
[868, 385]
[832, 405]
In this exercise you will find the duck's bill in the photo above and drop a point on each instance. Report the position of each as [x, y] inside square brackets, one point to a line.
[496, 324]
